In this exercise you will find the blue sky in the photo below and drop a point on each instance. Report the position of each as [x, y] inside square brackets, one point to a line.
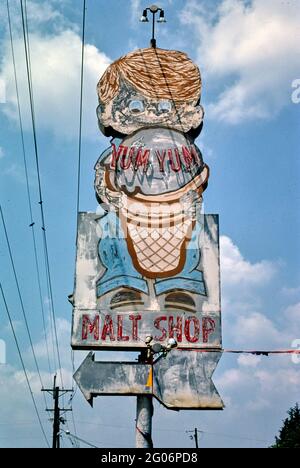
[248, 53]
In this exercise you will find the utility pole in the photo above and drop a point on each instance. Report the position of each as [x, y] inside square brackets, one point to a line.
[56, 393]
[144, 411]
[194, 436]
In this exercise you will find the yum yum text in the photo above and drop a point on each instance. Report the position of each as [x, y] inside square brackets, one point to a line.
[125, 158]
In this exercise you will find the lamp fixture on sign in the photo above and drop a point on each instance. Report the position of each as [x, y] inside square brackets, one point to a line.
[144, 19]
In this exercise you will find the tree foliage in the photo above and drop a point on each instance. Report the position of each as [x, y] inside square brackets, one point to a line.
[289, 434]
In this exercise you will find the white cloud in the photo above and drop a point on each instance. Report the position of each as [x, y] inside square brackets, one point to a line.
[237, 271]
[248, 360]
[292, 313]
[136, 11]
[251, 51]
[1, 153]
[41, 12]
[56, 61]
[247, 323]
[256, 391]
[255, 330]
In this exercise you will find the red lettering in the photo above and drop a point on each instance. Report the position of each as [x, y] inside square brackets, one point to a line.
[89, 327]
[142, 159]
[135, 319]
[132, 154]
[175, 328]
[163, 330]
[208, 327]
[187, 329]
[195, 155]
[171, 153]
[125, 160]
[120, 336]
[115, 155]
[187, 156]
[161, 158]
[108, 329]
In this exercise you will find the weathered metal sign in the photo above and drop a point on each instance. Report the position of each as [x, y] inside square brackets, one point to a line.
[113, 378]
[180, 380]
[148, 259]
[173, 307]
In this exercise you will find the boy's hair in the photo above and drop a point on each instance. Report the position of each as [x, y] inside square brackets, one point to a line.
[156, 73]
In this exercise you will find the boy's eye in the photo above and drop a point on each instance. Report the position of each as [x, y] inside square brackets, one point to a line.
[136, 106]
[165, 106]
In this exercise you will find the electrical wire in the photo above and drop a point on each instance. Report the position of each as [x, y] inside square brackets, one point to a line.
[48, 280]
[229, 436]
[31, 98]
[23, 365]
[79, 158]
[20, 296]
[32, 223]
[81, 108]
[72, 398]
[79, 439]
[265, 353]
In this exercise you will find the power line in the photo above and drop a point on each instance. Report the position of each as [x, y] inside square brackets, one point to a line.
[178, 431]
[20, 295]
[79, 158]
[23, 365]
[31, 98]
[265, 353]
[81, 107]
[230, 436]
[72, 397]
[32, 224]
[115, 426]
[79, 439]
[50, 315]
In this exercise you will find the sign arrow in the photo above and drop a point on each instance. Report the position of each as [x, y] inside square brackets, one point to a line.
[113, 378]
[181, 380]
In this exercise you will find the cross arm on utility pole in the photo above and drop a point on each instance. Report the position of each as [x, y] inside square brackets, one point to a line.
[57, 393]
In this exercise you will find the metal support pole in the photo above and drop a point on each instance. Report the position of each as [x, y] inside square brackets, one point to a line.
[144, 413]
[153, 40]
[196, 437]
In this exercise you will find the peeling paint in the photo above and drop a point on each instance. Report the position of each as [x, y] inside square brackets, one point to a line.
[154, 321]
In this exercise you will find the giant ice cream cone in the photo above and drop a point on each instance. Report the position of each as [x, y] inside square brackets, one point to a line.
[161, 177]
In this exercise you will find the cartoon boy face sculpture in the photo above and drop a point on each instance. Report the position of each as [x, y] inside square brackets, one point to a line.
[153, 176]
[150, 88]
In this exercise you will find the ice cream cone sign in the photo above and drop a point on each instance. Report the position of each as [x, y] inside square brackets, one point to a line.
[147, 268]
[148, 260]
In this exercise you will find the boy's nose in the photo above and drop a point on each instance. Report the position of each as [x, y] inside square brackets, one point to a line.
[152, 108]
